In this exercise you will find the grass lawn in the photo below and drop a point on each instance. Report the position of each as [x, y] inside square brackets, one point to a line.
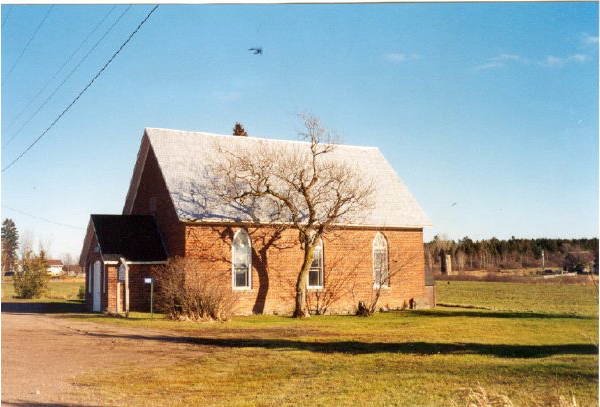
[532, 343]
[61, 297]
[543, 298]
[58, 289]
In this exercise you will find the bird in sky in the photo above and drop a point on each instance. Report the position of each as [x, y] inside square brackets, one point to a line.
[453, 204]
[256, 50]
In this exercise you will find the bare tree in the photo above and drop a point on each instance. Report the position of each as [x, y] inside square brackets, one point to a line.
[67, 259]
[26, 242]
[339, 277]
[298, 185]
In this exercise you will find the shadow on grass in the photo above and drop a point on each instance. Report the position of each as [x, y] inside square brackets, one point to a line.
[462, 312]
[354, 347]
[31, 307]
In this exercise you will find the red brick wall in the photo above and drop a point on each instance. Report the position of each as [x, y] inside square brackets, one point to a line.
[152, 185]
[348, 269]
[139, 292]
[110, 298]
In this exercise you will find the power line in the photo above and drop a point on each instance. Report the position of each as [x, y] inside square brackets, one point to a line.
[7, 15]
[26, 46]
[83, 91]
[42, 219]
[60, 69]
[40, 107]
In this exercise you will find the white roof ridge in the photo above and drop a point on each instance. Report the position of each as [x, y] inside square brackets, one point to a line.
[206, 133]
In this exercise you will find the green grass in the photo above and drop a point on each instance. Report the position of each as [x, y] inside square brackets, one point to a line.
[539, 342]
[542, 298]
[57, 290]
[60, 297]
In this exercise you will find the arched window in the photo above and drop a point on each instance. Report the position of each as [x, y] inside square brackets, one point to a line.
[381, 276]
[315, 273]
[241, 260]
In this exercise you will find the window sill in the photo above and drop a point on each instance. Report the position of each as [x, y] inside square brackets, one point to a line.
[315, 288]
[238, 289]
[384, 288]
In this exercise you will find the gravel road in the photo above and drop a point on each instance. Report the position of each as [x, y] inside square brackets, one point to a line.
[43, 354]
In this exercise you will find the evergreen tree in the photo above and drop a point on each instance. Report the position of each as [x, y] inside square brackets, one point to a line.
[31, 280]
[10, 245]
[238, 130]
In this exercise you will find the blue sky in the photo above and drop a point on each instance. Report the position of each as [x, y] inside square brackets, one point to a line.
[493, 106]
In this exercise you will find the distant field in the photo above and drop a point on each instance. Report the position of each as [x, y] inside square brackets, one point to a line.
[542, 298]
[58, 289]
[518, 276]
[539, 344]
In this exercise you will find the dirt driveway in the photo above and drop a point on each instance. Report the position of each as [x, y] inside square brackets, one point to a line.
[43, 353]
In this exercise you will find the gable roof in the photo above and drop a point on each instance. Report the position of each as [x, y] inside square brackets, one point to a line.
[134, 237]
[54, 262]
[182, 157]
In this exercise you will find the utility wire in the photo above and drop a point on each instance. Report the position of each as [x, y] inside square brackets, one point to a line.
[59, 69]
[7, 15]
[40, 218]
[83, 91]
[10, 71]
[66, 78]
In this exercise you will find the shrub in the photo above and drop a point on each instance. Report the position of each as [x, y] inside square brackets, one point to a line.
[579, 262]
[81, 293]
[31, 278]
[186, 292]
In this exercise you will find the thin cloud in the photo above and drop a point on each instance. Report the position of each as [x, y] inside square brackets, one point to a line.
[557, 62]
[509, 57]
[489, 65]
[578, 58]
[400, 57]
[553, 61]
[587, 39]
[500, 61]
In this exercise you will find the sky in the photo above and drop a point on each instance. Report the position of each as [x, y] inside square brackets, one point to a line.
[487, 111]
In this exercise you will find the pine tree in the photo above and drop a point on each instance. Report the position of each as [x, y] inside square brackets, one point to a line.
[31, 280]
[238, 130]
[10, 245]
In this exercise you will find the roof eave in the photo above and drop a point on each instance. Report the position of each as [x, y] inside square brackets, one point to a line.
[336, 225]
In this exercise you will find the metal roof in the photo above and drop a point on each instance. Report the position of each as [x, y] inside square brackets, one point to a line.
[183, 156]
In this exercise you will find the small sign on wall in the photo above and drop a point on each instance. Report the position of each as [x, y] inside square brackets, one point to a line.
[121, 274]
[148, 280]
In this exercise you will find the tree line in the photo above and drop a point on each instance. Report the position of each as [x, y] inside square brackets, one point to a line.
[496, 254]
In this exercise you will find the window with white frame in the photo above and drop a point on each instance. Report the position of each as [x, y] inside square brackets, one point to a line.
[381, 276]
[242, 260]
[315, 273]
